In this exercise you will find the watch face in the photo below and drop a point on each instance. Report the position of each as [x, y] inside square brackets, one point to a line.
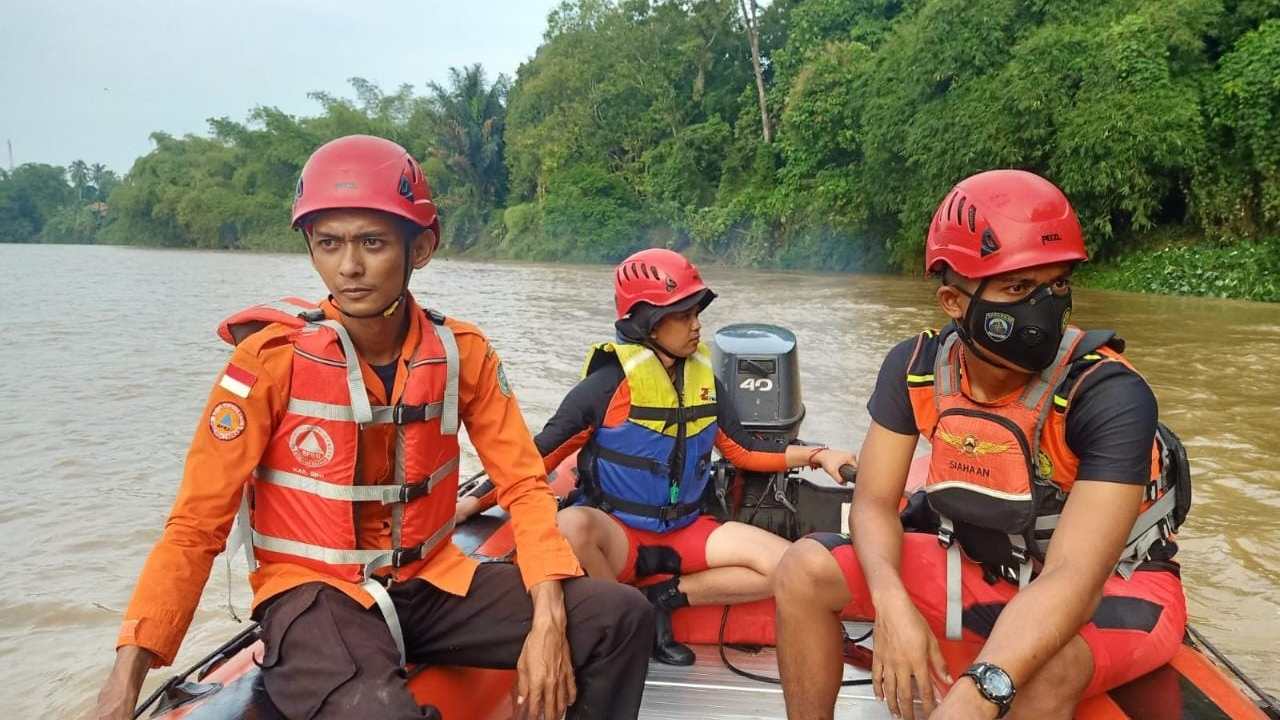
[997, 683]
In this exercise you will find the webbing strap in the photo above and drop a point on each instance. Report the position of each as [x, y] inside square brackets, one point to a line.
[371, 559]
[638, 462]
[361, 412]
[319, 553]
[385, 494]
[1024, 560]
[673, 415]
[1151, 517]
[241, 536]
[449, 410]
[382, 414]
[955, 599]
[1047, 378]
[389, 614]
[946, 373]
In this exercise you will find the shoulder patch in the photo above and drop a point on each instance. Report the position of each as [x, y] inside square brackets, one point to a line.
[503, 384]
[226, 421]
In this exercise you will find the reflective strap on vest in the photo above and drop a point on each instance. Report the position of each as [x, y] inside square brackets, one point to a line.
[374, 586]
[370, 559]
[946, 374]
[319, 553]
[389, 614]
[361, 412]
[955, 596]
[449, 411]
[385, 494]
[382, 414]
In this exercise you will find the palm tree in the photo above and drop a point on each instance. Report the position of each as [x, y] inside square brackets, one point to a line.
[79, 173]
[98, 176]
[470, 117]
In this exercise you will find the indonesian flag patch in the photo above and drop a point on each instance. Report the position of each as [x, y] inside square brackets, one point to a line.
[237, 381]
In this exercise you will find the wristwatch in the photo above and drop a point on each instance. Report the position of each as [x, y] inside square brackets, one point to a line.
[994, 684]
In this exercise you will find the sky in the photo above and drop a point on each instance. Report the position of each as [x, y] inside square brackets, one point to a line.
[92, 80]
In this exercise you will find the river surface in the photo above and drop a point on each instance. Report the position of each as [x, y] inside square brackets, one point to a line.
[108, 354]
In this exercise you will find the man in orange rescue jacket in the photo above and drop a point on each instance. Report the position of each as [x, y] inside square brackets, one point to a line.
[1050, 511]
[338, 425]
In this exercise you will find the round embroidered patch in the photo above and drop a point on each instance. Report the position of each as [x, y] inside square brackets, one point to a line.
[311, 445]
[226, 421]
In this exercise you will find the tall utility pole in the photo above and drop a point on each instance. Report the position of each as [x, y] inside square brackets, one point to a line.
[10, 143]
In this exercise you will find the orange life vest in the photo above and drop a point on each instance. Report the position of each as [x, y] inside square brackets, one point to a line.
[1002, 472]
[301, 504]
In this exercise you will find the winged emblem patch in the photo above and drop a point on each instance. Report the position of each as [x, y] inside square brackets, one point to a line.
[971, 445]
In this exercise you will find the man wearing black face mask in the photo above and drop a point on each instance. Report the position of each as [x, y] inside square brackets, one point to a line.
[1052, 543]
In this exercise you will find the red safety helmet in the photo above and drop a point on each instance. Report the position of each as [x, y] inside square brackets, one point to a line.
[663, 278]
[1002, 220]
[362, 171]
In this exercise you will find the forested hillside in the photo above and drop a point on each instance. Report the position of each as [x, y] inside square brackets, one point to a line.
[805, 133]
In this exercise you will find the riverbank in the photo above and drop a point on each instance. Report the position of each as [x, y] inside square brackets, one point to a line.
[1162, 265]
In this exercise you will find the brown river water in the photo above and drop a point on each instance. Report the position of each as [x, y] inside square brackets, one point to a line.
[108, 353]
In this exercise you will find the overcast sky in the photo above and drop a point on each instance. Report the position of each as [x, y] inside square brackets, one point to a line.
[92, 80]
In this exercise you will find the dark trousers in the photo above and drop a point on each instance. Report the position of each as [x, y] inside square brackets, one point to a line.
[327, 657]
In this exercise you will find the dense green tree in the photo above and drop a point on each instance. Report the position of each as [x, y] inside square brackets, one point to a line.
[807, 133]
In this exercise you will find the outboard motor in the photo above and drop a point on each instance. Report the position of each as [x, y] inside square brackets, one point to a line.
[759, 366]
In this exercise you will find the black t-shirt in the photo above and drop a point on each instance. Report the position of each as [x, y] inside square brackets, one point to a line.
[387, 374]
[1111, 422]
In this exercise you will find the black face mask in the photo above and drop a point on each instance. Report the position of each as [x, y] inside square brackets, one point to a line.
[1026, 333]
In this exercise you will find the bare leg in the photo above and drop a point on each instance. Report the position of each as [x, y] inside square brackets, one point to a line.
[1054, 692]
[742, 559]
[811, 592]
[725, 586]
[599, 543]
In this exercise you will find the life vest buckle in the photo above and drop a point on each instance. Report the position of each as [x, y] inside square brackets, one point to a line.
[403, 414]
[946, 536]
[1020, 555]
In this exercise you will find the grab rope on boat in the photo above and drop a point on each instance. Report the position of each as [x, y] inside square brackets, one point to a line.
[724, 658]
[1268, 704]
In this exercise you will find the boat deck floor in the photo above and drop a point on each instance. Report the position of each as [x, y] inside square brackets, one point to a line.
[708, 689]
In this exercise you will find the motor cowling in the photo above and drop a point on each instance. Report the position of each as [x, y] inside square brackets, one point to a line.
[758, 365]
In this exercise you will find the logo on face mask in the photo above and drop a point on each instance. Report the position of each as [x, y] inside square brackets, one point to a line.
[999, 326]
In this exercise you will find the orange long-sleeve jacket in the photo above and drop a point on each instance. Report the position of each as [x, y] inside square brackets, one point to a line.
[220, 462]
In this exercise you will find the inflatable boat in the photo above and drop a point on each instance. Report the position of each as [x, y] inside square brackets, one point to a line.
[735, 674]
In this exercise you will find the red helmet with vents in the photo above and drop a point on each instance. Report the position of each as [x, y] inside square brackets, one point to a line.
[1002, 220]
[362, 171]
[663, 278]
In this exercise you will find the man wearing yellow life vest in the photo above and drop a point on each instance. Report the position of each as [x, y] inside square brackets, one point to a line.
[1051, 545]
[337, 424]
[646, 418]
